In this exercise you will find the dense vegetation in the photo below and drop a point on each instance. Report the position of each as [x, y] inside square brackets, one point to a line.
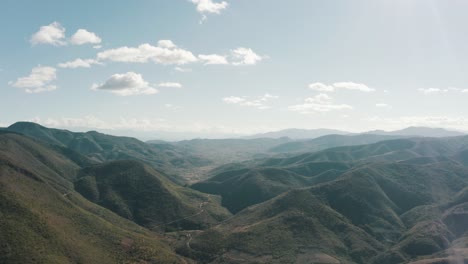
[69, 197]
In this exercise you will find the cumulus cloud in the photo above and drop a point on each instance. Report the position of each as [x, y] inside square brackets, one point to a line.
[126, 84]
[205, 7]
[170, 85]
[318, 104]
[208, 6]
[52, 34]
[38, 81]
[260, 102]
[78, 63]
[320, 87]
[213, 59]
[166, 52]
[353, 86]
[245, 56]
[82, 36]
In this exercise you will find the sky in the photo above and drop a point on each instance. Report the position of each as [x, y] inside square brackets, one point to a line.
[216, 68]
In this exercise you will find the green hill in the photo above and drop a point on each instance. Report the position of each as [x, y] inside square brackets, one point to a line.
[138, 192]
[101, 147]
[394, 201]
[243, 187]
[43, 220]
[330, 141]
[369, 214]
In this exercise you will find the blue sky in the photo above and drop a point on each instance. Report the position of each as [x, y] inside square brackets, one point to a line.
[219, 68]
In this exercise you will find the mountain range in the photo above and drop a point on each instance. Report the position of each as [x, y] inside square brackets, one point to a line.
[298, 134]
[68, 197]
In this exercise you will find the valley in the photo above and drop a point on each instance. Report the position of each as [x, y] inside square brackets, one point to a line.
[333, 199]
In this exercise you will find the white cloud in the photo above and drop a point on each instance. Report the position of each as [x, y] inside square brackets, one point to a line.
[245, 56]
[78, 63]
[180, 69]
[167, 44]
[172, 107]
[170, 85]
[382, 105]
[353, 86]
[126, 84]
[208, 6]
[432, 90]
[164, 53]
[260, 102]
[53, 34]
[83, 36]
[318, 104]
[233, 100]
[213, 59]
[320, 87]
[97, 46]
[38, 81]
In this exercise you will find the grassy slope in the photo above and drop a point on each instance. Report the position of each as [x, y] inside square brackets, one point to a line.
[140, 193]
[252, 182]
[295, 227]
[44, 221]
[102, 147]
[343, 219]
[400, 193]
[244, 187]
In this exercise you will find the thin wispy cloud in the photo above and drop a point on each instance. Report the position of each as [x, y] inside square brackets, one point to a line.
[260, 102]
[213, 59]
[432, 90]
[170, 85]
[320, 103]
[383, 105]
[78, 63]
[180, 69]
[321, 87]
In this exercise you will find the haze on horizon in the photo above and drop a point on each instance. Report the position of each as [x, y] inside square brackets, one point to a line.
[223, 68]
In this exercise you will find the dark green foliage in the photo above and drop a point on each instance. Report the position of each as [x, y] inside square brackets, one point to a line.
[330, 141]
[43, 220]
[101, 147]
[140, 193]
